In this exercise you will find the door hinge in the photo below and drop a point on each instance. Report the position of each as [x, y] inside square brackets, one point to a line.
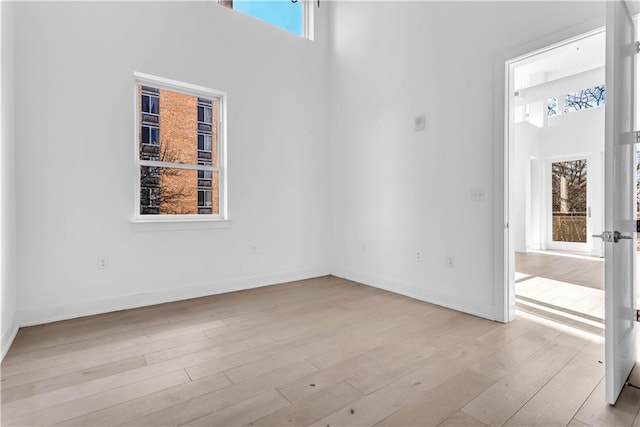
[638, 47]
[637, 315]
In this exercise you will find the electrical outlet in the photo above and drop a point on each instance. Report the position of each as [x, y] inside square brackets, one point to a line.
[420, 122]
[449, 261]
[103, 262]
[419, 256]
[254, 250]
[477, 194]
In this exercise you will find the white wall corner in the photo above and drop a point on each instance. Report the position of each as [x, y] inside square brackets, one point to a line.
[412, 290]
[8, 336]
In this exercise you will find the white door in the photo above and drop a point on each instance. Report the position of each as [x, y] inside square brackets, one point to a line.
[620, 334]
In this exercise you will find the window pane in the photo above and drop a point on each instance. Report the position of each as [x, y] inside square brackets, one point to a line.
[584, 99]
[150, 135]
[284, 14]
[172, 191]
[182, 117]
[569, 200]
[154, 135]
[205, 174]
[144, 134]
[154, 105]
[145, 103]
[552, 107]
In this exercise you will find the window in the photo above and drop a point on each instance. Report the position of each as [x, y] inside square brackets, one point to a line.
[292, 16]
[179, 150]
[552, 107]
[569, 201]
[575, 101]
[584, 99]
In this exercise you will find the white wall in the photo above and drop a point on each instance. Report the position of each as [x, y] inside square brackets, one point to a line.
[8, 219]
[74, 129]
[526, 147]
[396, 191]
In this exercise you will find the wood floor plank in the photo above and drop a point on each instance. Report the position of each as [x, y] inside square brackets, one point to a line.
[503, 399]
[145, 405]
[343, 342]
[244, 412]
[72, 409]
[597, 413]
[507, 358]
[460, 419]
[9, 394]
[557, 402]
[438, 404]
[312, 408]
[379, 360]
[386, 400]
[210, 403]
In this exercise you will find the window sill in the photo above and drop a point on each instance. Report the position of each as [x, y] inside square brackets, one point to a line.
[178, 224]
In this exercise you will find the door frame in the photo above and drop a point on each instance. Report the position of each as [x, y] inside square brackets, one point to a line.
[504, 301]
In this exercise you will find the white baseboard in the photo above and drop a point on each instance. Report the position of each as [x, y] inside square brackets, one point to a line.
[411, 290]
[7, 340]
[41, 315]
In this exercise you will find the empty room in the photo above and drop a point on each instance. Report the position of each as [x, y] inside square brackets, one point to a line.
[245, 212]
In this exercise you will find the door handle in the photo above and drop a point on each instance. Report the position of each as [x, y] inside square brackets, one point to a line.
[617, 236]
[608, 236]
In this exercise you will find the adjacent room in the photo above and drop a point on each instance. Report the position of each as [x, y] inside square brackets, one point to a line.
[278, 213]
[557, 181]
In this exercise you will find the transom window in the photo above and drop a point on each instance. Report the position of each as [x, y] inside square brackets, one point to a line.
[575, 101]
[293, 16]
[179, 150]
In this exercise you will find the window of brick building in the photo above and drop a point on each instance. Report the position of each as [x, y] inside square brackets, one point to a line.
[179, 150]
[293, 16]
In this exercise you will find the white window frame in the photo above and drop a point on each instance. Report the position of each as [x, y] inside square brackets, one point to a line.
[221, 168]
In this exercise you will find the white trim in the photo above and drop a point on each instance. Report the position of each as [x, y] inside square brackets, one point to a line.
[308, 20]
[169, 84]
[191, 222]
[7, 340]
[42, 315]
[412, 290]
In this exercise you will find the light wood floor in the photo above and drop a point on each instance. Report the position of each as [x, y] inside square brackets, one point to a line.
[561, 286]
[583, 270]
[322, 352]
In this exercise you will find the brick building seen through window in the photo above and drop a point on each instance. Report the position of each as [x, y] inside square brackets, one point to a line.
[178, 153]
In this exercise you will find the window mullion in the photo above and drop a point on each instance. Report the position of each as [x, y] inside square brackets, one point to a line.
[178, 165]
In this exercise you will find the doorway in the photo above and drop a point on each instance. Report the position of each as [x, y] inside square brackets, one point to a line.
[556, 152]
